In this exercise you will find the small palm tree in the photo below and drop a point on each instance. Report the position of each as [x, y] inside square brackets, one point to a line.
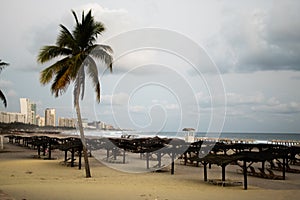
[2, 96]
[76, 52]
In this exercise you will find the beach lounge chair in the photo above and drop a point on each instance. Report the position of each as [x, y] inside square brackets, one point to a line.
[274, 176]
[270, 175]
[263, 174]
[254, 173]
[272, 165]
[287, 168]
[279, 165]
[291, 170]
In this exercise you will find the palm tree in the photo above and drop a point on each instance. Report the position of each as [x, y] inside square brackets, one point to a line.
[2, 97]
[76, 52]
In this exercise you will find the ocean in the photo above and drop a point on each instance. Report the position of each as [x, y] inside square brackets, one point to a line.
[258, 137]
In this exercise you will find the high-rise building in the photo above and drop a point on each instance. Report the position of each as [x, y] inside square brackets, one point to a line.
[28, 108]
[50, 117]
[33, 113]
[66, 122]
[40, 121]
[10, 117]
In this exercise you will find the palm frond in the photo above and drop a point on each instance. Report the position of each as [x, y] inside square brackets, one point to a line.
[104, 53]
[107, 48]
[78, 47]
[47, 74]
[92, 71]
[85, 33]
[99, 28]
[2, 97]
[77, 62]
[81, 76]
[61, 81]
[79, 84]
[65, 39]
[75, 16]
[83, 17]
[76, 91]
[2, 65]
[49, 52]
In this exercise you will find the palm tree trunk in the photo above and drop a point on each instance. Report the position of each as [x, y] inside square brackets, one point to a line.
[85, 153]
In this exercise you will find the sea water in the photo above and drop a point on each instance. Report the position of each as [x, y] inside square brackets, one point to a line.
[258, 137]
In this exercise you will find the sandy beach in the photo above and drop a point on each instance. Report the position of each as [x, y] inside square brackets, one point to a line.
[24, 177]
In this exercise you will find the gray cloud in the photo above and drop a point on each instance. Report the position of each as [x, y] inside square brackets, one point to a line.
[259, 39]
[281, 108]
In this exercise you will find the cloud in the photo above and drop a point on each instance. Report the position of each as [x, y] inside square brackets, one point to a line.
[114, 20]
[234, 99]
[7, 87]
[295, 77]
[172, 106]
[118, 99]
[264, 38]
[138, 109]
[5, 84]
[136, 62]
[12, 93]
[279, 108]
[206, 100]
[165, 104]
[248, 105]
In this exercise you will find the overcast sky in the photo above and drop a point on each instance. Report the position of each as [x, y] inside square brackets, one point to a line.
[212, 65]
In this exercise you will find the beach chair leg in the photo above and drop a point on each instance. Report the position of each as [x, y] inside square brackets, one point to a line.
[245, 175]
[124, 156]
[1, 141]
[263, 165]
[39, 151]
[283, 168]
[79, 154]
[72, 157]
[147, 160]
[115, 153]
[159, 159]
[173, 163]
[49, 152]
[185, 158]
[223, 172]
[107, 154]
[44, 150]
[66, 155]
[205, 171]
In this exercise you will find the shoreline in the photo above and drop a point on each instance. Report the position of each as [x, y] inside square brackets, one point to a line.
[118, 133]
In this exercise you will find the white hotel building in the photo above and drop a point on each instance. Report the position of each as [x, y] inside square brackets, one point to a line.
[10, 117]
[50, 117]
[28, 108]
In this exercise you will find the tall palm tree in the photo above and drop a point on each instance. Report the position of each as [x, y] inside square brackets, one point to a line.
[2, 97]
[76, 52]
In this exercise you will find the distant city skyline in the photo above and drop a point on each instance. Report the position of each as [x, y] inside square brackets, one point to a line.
[28, 115]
